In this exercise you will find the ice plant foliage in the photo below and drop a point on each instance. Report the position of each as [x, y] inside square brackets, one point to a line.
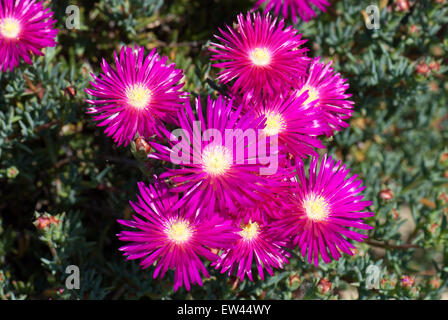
[235, 191]
[26, 27]
[327, 92]
[169, 239]
[260, 55]
[138, 95]
[328, 202]
[294, 8]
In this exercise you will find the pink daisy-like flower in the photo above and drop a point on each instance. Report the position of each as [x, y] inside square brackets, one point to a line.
[295, 123]
[263, 212]
[327, 89]
[328, 205]
[260, 55]
[171, 240]
[26, 27]
[135, 96]
[303, 8]
[256, 243]
[221, 166]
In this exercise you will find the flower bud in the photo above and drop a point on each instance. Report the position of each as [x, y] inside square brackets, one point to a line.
[434, 66]
[43, 222]
[324, 286]
[402, 5]
[422, 68]
[407, 281]
[70, 91]
[386, 194]
[434, 283]
[294, 281]
[12, 172]
[142, 145]
[395, 214]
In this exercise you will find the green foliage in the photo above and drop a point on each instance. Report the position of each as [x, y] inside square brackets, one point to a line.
[53, 159]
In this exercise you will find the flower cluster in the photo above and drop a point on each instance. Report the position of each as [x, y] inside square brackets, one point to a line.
[236, 191]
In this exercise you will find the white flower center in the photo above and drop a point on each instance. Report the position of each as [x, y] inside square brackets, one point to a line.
[179, 231]
[10, 28]
[138, 95]
[316, 207]
[275, 123]
[250, 231]
[216, 160]
[313, 94]
[260, 57]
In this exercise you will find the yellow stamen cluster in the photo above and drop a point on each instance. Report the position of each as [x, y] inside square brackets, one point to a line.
[216, 160]
[250, 231]
[179, 231]
[260, 57]
[313, 94]
[275, 123]
[10, 28]
[316, 207]
[138, 95]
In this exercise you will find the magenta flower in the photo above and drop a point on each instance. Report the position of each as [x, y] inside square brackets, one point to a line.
[135, 96]
[220, 168]
[328, 206]
[294, 123]
[26, 27]
[327, 89]
[171, 240]
[255, 243]
[303, 8]
[263, 212]
[260, 55]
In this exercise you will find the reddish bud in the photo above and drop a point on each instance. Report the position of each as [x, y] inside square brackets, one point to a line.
[294, 278]
[402, 5]
[12, 172]
[434, 66]
[413, 29]
[386, 194]
[433, 227]
[422, 68]
[434, 283]
[433, 86]
[45, 221]
[407, 281]
[395, 214]
[70, 91]
[142, 145]
[324, 286]
[444, 197]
